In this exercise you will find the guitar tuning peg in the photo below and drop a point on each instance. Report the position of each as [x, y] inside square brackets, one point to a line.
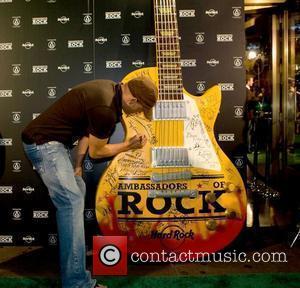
[211, 224]
[230, 187]
[230, 214]
[210, 197]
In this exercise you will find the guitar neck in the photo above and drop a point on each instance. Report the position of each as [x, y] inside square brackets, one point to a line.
[167, 50]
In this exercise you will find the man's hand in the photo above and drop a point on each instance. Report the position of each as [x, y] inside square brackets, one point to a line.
[99, 148]
[80, 154]
[78, 171]
[137, 141]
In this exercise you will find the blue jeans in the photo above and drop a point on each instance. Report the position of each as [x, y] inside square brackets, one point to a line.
[52, 161]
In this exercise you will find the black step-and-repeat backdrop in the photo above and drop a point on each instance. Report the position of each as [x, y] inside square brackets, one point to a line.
[48, 46]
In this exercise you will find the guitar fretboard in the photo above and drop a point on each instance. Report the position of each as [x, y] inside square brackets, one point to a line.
[167, 50]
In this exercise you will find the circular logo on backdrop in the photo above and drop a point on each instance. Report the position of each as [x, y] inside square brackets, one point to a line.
[51, 92]
[28, 239]
[52, 239]
[17, 214]
[239, 163]
[27, 92]
[63, 68]
[213, 62]
[16, 166]
[87, 19]
[63, 19]
[101, 40]
[137, 14]
[125, 39]
[237, 12]
[28, 45]
[16, 116]
[88, 165]
[16, 69]
[200, 87]
[200, 38]
[88, 67]
[88, 214]
[51, 44]
[211, 12]
[28, 189]
[238, 111]
[16, 21]
[138, 63]
[238, 62]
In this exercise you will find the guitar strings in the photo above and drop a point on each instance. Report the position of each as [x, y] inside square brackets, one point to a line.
[173, 49]
[157, 130]
[164, 13]
[179, 85]
[178, 78]
[158, 122]
[170, 84]
[166, 37]
[173, 79]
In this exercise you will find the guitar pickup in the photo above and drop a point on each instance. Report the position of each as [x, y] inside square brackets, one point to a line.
[170, 157]
[170, 110]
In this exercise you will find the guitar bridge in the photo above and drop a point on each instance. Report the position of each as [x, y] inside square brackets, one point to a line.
[172, 193]
[180, 175]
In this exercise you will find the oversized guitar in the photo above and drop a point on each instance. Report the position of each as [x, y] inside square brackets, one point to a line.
[180, 191]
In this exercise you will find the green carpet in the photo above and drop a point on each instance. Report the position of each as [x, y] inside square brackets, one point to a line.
[278, 280]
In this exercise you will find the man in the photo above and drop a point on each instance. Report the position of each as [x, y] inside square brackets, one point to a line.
[90, 112]
[249, 95]
[249, 113]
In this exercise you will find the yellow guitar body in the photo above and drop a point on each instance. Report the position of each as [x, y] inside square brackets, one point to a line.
[206, 220]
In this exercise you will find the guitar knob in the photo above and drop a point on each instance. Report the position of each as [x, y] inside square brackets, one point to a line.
[230, 187]
[210, 197]
[230, 214]
[211, 224]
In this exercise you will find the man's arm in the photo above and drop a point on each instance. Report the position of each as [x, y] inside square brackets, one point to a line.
[99, 148]
[83, 144]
